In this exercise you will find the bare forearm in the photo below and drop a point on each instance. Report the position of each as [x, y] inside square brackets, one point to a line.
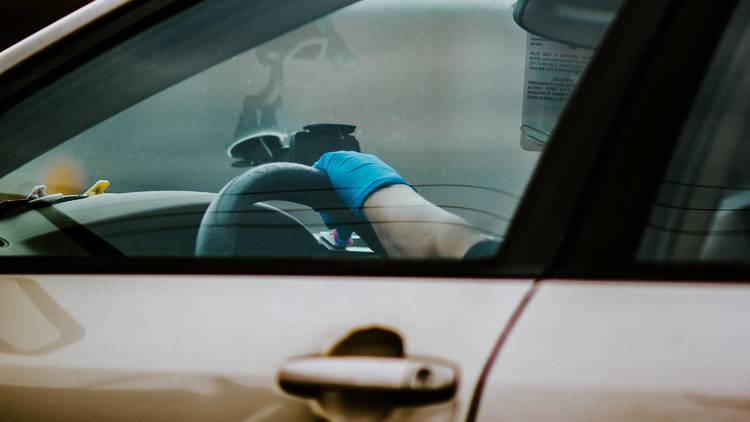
[409, 226]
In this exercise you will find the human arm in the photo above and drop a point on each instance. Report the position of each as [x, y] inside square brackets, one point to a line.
[409, 226]
[406, 224]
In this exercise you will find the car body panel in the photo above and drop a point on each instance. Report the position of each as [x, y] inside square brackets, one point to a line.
[56, 31]
[189, 347]
[623, 351]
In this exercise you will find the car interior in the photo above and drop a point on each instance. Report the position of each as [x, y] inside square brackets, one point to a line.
[174, 114]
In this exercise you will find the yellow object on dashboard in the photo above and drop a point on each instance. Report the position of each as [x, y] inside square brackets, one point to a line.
[98, 188]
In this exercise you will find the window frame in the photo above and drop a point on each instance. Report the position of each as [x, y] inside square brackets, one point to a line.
[533, 246]
[643, 138]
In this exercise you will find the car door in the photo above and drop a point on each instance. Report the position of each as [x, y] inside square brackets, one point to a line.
[210, 347]
[645, 316]
[88, 333]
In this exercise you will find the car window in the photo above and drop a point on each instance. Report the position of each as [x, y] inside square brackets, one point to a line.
[441, 91]
[702, 209]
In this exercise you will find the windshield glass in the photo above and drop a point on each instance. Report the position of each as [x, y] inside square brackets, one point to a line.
[433, 88]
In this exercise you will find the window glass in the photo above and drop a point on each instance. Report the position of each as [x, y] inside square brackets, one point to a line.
[702, 210]
[434, 88]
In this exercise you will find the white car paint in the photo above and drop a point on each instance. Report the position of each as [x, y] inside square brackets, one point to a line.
[625, 351]
[56, 31]
[209, 347]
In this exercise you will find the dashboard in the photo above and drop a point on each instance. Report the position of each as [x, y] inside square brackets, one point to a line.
[152, 223]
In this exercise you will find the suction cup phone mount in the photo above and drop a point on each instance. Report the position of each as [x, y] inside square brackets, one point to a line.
[304, 147]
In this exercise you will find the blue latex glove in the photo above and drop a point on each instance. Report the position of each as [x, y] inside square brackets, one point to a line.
[356, 176]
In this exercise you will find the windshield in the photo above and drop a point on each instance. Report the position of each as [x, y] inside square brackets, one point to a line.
[434, 88]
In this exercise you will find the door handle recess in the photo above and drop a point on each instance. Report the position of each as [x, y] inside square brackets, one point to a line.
[404, 380]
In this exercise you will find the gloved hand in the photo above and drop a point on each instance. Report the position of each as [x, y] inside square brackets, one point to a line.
[356, 176]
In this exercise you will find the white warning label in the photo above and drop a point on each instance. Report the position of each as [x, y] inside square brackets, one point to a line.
[552, 70]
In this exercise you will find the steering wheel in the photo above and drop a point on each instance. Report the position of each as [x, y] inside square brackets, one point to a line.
[237, 223]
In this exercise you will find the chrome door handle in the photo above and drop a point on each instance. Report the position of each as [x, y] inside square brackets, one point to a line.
[405, 379]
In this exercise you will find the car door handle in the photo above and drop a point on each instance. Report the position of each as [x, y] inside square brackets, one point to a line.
[405, 380]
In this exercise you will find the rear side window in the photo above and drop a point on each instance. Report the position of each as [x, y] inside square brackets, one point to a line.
[702, 211]
[434, 88]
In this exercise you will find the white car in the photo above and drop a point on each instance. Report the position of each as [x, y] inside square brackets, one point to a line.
[601, 144]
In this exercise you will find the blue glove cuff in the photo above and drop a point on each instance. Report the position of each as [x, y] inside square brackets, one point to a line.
[356, 176]
[361, 194]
